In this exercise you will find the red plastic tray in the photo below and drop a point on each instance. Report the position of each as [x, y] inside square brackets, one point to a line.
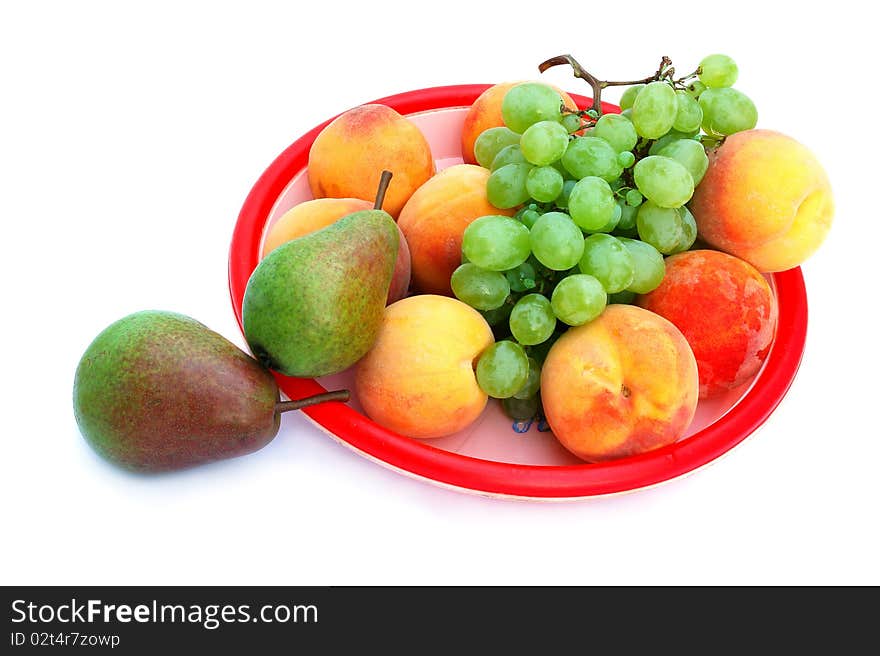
[426, 460]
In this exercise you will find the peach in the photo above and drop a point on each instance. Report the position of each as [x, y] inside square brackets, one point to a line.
[485, 113]
[623, 384]
[418, 379]
[765, 198]
[434, 219]
[348, 157]
[313, 215]
[724, 308]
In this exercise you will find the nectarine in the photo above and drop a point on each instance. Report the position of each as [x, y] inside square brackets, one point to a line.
[724, 308]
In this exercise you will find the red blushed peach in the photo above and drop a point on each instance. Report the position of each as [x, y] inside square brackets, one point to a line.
[313, 215]
[485, 113]
[724, 308]
[623, 384]
[418, 378]
[766, 199]
[434, 219]
[348, 157]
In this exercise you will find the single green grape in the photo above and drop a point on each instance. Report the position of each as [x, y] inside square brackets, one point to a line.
[511, 154]
[533, 382]
[608, 261]
[617, 130]
[522, 278]
[490, 142]
[527, 215]
[577, 299]
[668, 138]
[528, 103]
[591, 203]
[663, 180]
[634, 198]
[627, 222]
[691, 154]
[502, 369]
[689, 115]
[544, 183]
[572, 122]
[653, 111]
[506, 187]
[544, 142]
[532, 320]
[496, 243]
[521, 409]
[718, 71]
[591, 156]
[688, 230]
[695, 88]
[556, 241]
[629, 96]
[649, 266]
[727, 111]
[626, 159]
[565, 194]
[660, 226]
[479, 288]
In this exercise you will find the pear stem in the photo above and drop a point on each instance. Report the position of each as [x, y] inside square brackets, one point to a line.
[383, 187]
[298, 404]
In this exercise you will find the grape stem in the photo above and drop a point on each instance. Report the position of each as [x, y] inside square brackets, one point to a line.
[664, 71]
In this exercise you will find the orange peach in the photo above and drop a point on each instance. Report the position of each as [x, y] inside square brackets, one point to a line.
[724, 308]
[766, 199]
[434, 219]
[485, 113]
[348, 157]
[312, 215]
[418, 379]
[623, 384]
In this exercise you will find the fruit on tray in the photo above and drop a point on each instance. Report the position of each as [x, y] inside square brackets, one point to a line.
[348, 155]
[766, 199]
[623, 384]
[724, 308]
[434, 219]
[313, 305]
[157, 391]
[418, 379]
[485, 113]
[312, 215]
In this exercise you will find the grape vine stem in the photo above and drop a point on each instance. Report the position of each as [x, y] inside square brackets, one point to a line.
[663, 71]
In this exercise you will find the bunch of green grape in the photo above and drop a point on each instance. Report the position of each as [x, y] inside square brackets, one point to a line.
[600, 200]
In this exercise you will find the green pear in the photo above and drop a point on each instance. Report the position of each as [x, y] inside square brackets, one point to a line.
[158, 391]
[313, 306]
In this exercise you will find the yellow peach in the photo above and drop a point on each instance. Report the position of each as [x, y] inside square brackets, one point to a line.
[347, 158]
[418, 379]
[766, 199]
[623, 384]
[434, 219]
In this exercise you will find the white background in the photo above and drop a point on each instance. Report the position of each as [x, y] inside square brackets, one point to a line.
[130, 134]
